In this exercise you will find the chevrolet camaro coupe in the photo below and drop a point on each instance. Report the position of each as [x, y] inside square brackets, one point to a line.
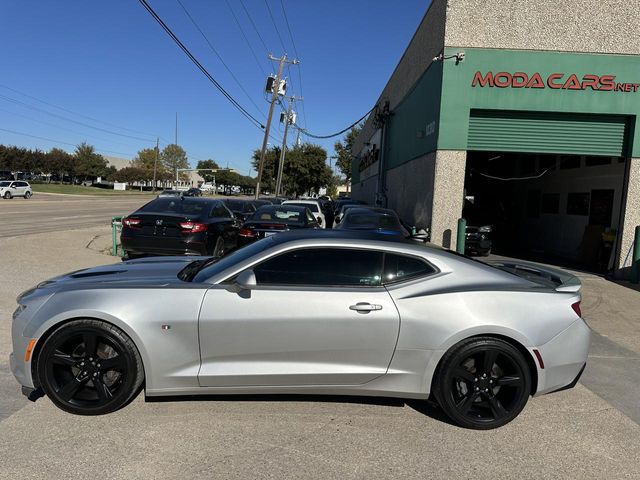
[307, 312]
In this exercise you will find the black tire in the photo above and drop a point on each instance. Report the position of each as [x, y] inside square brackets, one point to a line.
[93, 381]
[27, 195]
[218, 249]
[7, 195]
[482, 383]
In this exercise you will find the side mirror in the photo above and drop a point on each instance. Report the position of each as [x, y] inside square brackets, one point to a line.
[246, 280]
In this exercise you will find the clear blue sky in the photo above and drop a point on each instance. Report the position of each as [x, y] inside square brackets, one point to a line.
[111, 61]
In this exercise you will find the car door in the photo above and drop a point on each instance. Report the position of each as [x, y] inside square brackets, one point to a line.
[317, 316]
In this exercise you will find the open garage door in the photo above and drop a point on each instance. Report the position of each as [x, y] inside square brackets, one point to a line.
[547, 132]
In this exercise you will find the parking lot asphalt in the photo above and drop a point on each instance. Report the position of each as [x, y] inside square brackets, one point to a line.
[48, 213]
[578, 433]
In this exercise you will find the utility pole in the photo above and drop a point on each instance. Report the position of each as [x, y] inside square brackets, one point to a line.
[155, 163]
[274, 98]
[287, 121]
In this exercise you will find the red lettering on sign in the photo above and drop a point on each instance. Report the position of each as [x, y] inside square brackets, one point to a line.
[502, 79]
[590, 81]
[552, 77]
[478, 79]
[572, 83]
[535, 81]
[519, 80]
[607, 83]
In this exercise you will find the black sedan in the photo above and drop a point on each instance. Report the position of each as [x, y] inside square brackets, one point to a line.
[271, 219]
[379, 220]
[192, 192]
[241, 208]
[180, 226]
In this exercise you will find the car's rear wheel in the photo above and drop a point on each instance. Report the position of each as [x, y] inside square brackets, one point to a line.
[8, 196]
[27, 195]
[483, 383]
[89, 367]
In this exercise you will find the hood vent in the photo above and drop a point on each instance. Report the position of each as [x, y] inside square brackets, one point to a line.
[96, 274]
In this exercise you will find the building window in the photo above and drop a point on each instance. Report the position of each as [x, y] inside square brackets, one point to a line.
[550, 203]
[578, 204]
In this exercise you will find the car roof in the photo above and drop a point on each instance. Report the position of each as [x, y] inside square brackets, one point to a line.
[306, 200]
[365, 209]
[198, 200]
[293, 208]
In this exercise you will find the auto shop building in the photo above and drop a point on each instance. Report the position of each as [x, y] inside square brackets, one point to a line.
[515, 114]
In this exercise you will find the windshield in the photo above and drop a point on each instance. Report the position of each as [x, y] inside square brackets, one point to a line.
[311, 206]
[278, 214]
[371, 221]
[175, 205]
[213, 266]
[4, 184]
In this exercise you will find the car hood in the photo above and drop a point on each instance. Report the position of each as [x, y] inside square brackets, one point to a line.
[141, 272]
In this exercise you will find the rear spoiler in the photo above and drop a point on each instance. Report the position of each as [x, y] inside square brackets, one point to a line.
[555, 278]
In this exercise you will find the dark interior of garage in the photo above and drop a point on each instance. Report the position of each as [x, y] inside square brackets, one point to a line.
[561, 209]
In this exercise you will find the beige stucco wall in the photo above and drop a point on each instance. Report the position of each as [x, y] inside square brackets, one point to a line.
[631, 217]
[410, 190]
[593, 26]
[448, 196]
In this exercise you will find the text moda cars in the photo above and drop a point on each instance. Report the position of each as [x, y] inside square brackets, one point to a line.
[312, 312]
[555, 81]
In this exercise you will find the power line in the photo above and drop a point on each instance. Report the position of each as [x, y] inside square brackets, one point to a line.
[60, 142]
[295, 50]
[337, 133]
[27, 105]
[254, 26]
[63, 128]
[255, 57]
[195, 61]
[75, 113]
[284, 49]
[213, 49]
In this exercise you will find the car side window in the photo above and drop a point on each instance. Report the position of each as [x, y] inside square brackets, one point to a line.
[398, 268]
[219, 211]
[322, 267]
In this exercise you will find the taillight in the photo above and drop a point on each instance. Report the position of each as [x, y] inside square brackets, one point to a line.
[246, 232]
[131, 222]
[193, 227]
[576, 308]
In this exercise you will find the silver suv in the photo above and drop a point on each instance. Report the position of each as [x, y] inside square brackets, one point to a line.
[18, 188]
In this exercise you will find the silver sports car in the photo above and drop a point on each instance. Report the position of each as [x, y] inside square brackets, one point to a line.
[318, 312]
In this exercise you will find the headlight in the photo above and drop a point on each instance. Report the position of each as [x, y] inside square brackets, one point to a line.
[18, 311]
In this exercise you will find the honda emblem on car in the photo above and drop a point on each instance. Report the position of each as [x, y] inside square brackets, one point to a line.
[159, 222]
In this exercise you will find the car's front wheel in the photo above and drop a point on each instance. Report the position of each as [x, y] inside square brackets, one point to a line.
[483, 383]
[8, 196]
[89, 367]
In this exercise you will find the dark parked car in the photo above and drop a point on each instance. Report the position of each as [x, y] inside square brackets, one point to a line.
[379, 220]
[273, 200]
[180, 226]
[192, 192]
[478, 240]
[271, 219]
[170, 193]
[241, 208]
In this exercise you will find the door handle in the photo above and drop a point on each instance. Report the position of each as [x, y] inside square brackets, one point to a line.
[364, 307]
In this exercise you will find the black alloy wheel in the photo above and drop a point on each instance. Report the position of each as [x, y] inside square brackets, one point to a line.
[483, 383]
[89, 367]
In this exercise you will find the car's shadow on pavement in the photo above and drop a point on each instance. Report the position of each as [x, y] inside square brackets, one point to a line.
[424, 407]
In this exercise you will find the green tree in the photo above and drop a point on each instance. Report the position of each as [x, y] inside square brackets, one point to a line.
[343, 149]
[60, 162]
[305, 169]
[174, 157]
[210, 164]
[146, 159]
[88, 162]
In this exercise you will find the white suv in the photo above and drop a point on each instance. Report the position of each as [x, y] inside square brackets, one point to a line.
[313, 205]
[9, 189]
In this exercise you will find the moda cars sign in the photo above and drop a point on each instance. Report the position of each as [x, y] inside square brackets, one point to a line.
[555, 81]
